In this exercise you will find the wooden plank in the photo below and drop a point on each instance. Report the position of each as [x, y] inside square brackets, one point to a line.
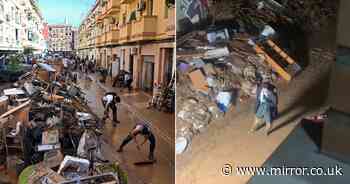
[15, 109]
[284, 55]
[285, 75]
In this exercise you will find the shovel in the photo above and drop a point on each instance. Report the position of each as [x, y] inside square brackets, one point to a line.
[143, 163]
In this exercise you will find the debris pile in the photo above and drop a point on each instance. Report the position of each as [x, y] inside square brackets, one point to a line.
[247, 42]
[218, 68]
[47, 124]
[163, 97]
[310, 15]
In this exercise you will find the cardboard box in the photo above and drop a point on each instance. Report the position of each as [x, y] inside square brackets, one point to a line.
[3, 104]
[43, 75]
[199, 81]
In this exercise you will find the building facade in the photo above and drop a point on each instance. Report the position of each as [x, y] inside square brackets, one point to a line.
[87, 34]
[75, 40]
[21, 26]
[132, 35]
[60, 38]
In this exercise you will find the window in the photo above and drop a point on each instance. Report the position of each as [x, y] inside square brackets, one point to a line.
[150, 7]
[166, 10]
[17, 16]
[170, 3]
[16, 32]
[1, 33]
[13, 14]
[1, 8]
[132, 16]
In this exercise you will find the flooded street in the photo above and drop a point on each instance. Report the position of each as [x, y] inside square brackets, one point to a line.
[162, 125]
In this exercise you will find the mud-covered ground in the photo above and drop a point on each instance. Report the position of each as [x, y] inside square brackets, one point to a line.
[226, 141]
[163, 126]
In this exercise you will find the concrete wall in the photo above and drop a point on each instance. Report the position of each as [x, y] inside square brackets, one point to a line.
[343, 35]
[339, 90]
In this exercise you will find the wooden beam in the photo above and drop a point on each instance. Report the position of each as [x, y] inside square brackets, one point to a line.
[284, 55]
[15, 109]
[283, 73]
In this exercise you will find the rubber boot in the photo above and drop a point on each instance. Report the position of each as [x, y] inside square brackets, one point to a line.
[255, 125]
[151, 158]
[267, 129]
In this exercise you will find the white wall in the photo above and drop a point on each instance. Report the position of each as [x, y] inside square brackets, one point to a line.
[13, 17]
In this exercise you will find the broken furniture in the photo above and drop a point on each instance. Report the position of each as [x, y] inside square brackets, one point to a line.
[13, 141]
[57, 64]
[199, 81]
[108, 178]
[15, 95]
[46, 72]
[39, 173]
[73, 166]
[288, 71]
[3, 104]
[13, 133]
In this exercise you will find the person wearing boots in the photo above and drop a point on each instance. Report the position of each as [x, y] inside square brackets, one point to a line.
[144, 130]
[266, 108]
[128, 81]
[109, 101]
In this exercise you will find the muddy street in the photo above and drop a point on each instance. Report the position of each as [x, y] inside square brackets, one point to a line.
[133, 106]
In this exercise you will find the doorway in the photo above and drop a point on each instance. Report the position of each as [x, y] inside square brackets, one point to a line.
[147, 73]
[131, 64]
[168, 65]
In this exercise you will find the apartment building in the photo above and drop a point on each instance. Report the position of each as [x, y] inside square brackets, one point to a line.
[87, 34]
[75, 38]
[60, 38]
[136, 36]
[21, 26]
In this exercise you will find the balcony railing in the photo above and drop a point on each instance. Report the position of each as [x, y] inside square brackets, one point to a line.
[99, 40]
[112, 37]
[125, 1]
[113, 5]
[170, 29]
[125, 32]
[144, 29]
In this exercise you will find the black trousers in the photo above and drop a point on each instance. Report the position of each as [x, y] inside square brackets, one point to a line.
[128, 84]
[112, 106]
[151, 139]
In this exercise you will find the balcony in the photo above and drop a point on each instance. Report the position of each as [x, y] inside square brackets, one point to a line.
[144, 29]
[125, 32]
[99, 40]
[99, 18]
[112, 37]
[110, 8]
[170, 28]
[125, 1]
[113, 6]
